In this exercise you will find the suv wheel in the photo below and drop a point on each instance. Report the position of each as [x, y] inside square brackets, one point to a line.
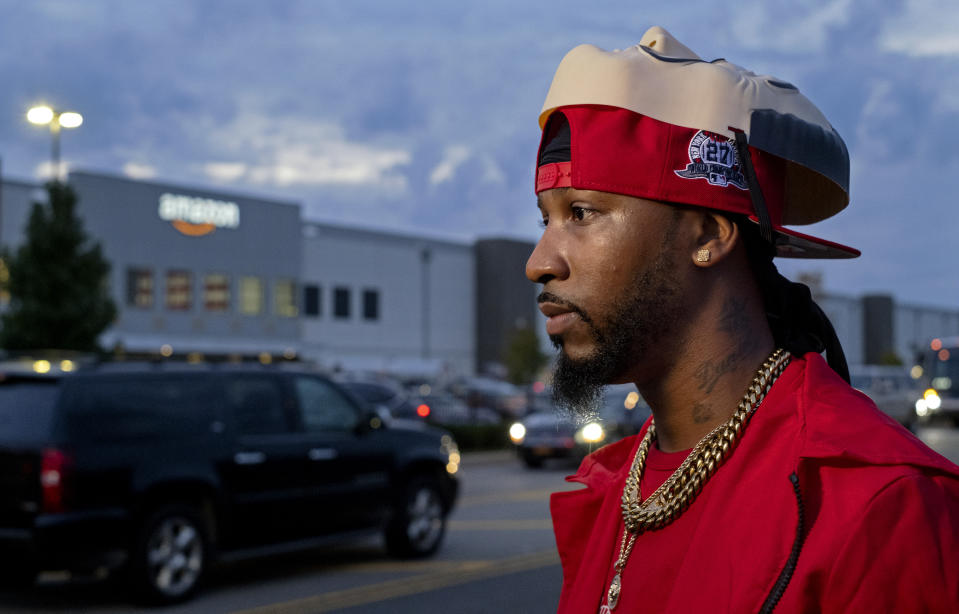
[419, 520]
[170, 554]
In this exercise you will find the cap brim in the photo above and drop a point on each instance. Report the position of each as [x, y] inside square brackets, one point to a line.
[792, 244]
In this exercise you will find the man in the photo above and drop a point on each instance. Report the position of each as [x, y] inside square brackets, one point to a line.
[664, 183]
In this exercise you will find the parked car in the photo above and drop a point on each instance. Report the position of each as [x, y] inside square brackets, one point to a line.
[444, 408]
[388, 399]
[937, 381]
[156, 470]
[505, 399]
[548, 432]
[891, 388]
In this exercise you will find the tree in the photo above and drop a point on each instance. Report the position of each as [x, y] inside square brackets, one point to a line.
[523, 356]
[890, 358]
[57, 281]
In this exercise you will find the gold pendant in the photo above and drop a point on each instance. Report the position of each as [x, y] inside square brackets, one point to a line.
[612, 597]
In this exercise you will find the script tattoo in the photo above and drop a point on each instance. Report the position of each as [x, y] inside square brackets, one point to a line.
[702, 413]
[735, 323]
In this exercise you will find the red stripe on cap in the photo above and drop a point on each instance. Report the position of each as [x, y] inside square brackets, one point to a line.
[554, 175]
[617, 150]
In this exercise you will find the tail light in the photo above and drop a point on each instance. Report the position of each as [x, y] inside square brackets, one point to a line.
[423, 410]
[54, 466]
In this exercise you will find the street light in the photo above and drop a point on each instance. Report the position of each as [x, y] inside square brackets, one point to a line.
[43, 115]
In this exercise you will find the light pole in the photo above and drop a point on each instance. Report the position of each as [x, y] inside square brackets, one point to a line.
[425, 257]
[43, 115]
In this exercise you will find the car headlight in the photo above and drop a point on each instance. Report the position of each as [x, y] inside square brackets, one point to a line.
[517, 433]
[452, 451]
[931, 397]
[591, 433]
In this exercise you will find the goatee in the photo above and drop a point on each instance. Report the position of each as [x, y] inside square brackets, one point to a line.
[647, 311]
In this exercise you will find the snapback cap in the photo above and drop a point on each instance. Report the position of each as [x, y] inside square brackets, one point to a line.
[656, 121]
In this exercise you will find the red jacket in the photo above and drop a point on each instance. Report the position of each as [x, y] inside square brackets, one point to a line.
[879, 530]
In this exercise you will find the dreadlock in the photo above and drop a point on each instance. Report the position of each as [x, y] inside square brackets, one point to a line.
[798, 324]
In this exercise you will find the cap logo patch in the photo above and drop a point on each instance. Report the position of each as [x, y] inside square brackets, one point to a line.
[713, 157]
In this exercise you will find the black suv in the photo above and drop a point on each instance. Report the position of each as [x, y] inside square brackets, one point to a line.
[159, 468]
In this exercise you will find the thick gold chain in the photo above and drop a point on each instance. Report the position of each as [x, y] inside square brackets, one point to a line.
[676, 494]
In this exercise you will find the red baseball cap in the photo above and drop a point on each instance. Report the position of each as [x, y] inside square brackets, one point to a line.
[682, 140]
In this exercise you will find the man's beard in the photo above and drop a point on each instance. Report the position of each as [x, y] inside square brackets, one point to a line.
[646, 312]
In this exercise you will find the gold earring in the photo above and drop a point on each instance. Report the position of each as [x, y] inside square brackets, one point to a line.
[703, 255]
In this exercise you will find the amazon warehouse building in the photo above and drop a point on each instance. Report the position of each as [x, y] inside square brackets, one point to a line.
[203, 275]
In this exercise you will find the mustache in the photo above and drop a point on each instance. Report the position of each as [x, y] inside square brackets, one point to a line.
[549, 297]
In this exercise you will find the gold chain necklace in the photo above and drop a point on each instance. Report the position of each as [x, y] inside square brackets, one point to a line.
[677, 493]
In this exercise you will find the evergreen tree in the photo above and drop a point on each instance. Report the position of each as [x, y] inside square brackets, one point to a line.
[57, 281]
[523, 357]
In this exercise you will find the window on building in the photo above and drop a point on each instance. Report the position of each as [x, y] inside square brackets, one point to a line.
[284, 298]
[140, 288]
[311, 300]
[216, 292]
[341, 302]
[371, 304]
[179, 290]
[251, 296]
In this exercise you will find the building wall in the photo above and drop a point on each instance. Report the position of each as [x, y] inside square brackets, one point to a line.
[902, 328]
[846, 315]
[124, 216]
[916, 326]
[506, 299]
[16, 199]
[426, 304]
[878, 327]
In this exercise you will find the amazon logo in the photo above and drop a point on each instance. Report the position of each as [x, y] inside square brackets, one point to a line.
[196, 217]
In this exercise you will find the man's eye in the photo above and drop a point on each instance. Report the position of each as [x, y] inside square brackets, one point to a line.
[544, 222]
[579, 213]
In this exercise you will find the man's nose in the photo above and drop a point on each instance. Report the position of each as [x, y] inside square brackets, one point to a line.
[547, 261]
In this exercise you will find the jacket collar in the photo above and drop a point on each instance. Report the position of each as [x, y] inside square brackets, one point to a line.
[841, 423]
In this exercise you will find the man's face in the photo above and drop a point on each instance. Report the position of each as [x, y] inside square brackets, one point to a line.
[609, 266]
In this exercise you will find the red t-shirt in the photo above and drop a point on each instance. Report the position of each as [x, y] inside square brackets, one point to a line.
[659, 466]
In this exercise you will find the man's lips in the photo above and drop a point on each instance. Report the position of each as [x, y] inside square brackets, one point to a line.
[559, 318]
[552, 309]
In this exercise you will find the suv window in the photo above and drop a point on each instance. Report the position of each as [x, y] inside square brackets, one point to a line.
[371, 393]
[257, 405]
[323, 407]
[26, 410]
[139, 407]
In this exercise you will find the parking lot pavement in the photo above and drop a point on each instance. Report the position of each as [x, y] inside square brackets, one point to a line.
[942, 439]
[486, 457]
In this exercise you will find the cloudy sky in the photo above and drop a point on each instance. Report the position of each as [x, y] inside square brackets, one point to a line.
[421, 116]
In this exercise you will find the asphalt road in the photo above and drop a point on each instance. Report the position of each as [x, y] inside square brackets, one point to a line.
[499, 556]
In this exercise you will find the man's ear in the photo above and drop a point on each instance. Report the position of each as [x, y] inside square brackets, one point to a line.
[716, 238]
